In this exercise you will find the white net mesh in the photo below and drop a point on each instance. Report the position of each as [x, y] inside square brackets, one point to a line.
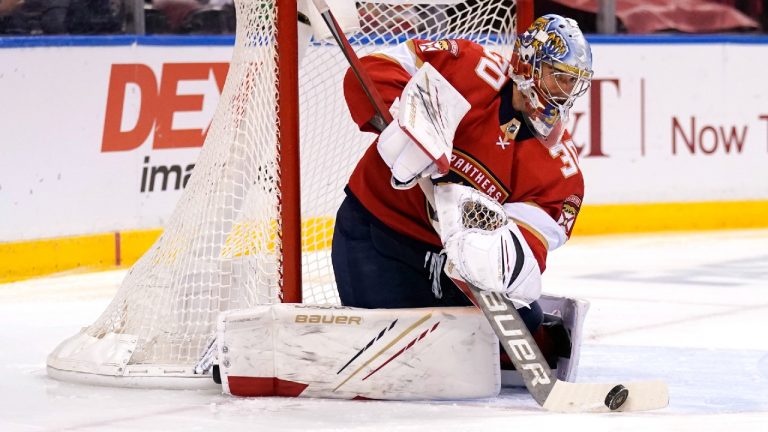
[218, 251]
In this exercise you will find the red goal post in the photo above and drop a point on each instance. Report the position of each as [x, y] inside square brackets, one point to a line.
[255, 220]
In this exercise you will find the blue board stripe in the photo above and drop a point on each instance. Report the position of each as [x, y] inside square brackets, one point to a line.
[228, 40]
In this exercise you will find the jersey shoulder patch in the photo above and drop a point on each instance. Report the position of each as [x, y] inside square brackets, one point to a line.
[448, 45]
[570, 210]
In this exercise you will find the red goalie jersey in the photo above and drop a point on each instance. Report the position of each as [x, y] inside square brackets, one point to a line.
[493, 150]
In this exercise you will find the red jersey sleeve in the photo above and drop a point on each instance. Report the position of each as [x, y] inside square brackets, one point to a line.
[388, 77]
[391, 69]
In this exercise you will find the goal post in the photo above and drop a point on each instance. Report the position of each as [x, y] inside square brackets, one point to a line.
[248, 228]
[287, 51]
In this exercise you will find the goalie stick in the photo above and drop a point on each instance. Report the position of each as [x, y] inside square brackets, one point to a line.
[549, 392]
[383, 117]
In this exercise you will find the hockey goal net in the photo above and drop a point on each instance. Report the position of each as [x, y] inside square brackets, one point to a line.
[248, 229]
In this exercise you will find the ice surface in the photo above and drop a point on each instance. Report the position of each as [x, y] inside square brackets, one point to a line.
[691, 309]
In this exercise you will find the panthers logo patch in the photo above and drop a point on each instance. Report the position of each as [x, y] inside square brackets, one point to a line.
[549, 42]
[555, 46]
[571, 207]
[441, 45]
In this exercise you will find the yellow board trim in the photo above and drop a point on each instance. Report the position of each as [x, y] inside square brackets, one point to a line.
[133, 244]
[25, 259]
[20, 260]
[661, 217]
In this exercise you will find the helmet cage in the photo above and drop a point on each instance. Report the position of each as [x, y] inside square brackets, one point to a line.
[549, 84]
[565, 85]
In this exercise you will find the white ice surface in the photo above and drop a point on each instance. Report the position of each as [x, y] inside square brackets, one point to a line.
[691, 309]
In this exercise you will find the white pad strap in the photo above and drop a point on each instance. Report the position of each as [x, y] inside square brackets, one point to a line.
[338, 352]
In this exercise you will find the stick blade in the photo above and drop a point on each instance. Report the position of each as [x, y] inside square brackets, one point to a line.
[591, 397]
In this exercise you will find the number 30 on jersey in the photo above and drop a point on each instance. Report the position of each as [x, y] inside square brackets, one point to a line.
[492, 68]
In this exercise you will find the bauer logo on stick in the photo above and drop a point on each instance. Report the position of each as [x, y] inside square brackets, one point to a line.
[515, 340]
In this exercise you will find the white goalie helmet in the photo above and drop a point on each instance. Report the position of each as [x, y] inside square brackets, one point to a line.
[551, 66]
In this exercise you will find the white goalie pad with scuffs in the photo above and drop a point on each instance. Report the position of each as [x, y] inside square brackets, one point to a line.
[350, 353]
[572, 311]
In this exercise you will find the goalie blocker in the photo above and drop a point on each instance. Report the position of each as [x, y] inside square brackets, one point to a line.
[419, 142]
[387, 354]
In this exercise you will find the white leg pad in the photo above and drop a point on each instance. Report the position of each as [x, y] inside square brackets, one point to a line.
[350, 353]
[572, 311]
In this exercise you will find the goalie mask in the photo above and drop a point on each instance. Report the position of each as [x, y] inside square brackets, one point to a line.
[551, 66]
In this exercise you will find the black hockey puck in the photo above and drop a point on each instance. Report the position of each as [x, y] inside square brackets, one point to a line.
[616, 397]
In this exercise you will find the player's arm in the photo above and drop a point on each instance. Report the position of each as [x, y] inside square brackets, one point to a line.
[542, 232]
[390, 70]
[507, 252]
[389, 78]
[548, 212]
[510, 258]
[493, 252]
[419, 142]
